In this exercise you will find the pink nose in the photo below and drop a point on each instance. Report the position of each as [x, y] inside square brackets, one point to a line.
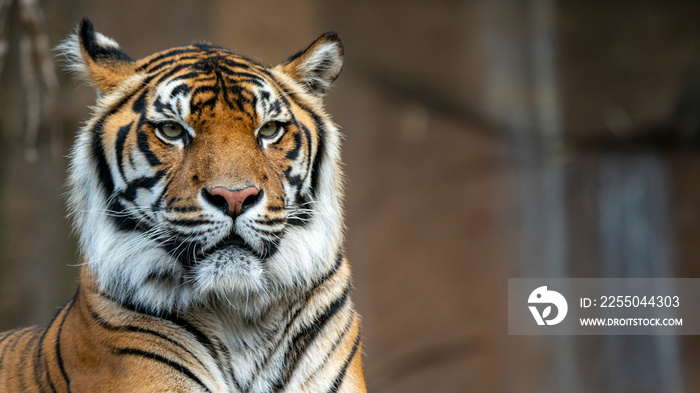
[238, 200]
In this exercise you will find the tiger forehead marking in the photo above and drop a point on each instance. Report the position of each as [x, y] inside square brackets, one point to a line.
[204, 76]
[221, 99]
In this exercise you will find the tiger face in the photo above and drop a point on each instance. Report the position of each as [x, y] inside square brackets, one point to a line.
[205, 175]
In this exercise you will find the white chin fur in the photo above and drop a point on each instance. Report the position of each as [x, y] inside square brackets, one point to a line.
[123, 261]
[230, 270]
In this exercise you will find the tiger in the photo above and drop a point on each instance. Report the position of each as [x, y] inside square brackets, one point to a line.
[206, 192]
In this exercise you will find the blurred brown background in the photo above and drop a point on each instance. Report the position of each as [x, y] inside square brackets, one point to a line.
[485, 139]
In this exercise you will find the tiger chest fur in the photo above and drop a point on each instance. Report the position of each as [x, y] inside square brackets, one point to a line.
[206, 191]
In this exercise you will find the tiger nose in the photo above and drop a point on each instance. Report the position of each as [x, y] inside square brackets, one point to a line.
[234, 202]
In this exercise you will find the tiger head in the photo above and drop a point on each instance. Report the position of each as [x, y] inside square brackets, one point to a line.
[203, 174]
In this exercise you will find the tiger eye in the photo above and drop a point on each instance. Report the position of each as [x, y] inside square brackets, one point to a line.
[269, 130]
[172, 130]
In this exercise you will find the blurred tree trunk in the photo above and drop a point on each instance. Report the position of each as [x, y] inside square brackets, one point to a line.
[33, 237]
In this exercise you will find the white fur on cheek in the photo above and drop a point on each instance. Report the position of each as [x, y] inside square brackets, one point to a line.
[305, 251]
[120, 260]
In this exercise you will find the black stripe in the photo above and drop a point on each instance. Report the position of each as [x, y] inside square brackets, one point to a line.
[142, 142]
[183, 252]
[139, 105]
[237, 101]
[40, 377]
[276, 108]
[160, 106]
[59, 358]
[320, 150]
[137, 329]
[336, 343]
[270, 221]
[157, 79]
[321, 131]
[100, 321]
[98, 152]
[293, 180]
[294, 152]
[159, 201]
[187, 209]
[199, 336]
[338, 262]
[280, 99]
[103, 168]
[305, 337]
[189, 223]
[26, 362]
[119, 146]
[301, 200]
[165, 107]
[196, 104]
[297, 312]
[188, 59]
[153, 356]
[6, 336]
[9, 346]
[123, 221]
[270, 248]
[243, 76]
[172, 52]
[160, 276]
[40, 350]
[344, 369]
[236, 60]
[198, 75]
[142, 182]
[299, 220]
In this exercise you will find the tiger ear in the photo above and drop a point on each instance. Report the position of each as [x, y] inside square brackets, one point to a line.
[317, 66]
[97, 58]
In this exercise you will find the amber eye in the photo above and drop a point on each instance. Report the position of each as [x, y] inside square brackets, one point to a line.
[269, 130]
[171, 130]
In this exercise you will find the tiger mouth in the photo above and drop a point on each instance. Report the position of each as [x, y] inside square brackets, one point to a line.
[231, 241]
[190, 254]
